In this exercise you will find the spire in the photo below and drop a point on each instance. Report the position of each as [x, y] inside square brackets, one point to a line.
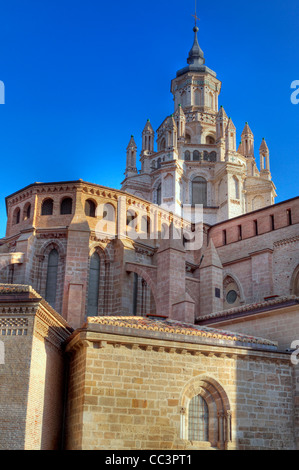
[230, 139]
[264, 148]
[170, 123]
[148, 135]
[211, 257]
[131, 157]
[230, 125]
[247, 140]
[247, 130]
[179, 111]
[264, 158]
[221, 113]
[221, 123]
[132, 144]
[148, 127]
[196, 56]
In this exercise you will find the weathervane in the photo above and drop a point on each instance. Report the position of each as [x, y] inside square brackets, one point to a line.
[195, 16]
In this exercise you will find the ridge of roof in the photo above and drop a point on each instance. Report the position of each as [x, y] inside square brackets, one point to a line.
[177, 327]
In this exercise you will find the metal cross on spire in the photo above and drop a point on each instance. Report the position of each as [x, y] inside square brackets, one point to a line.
[195, 16]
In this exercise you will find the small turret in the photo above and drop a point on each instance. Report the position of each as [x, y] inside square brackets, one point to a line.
[247, 141]
[221, 125]
[230, 139]
[148, 137]
[172, 132]
[131, 157]
[180, 120]
[264, 160]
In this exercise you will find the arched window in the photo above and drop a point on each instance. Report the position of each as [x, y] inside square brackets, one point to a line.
[90, 208]
[210, 140]
[27, 211]
[159, 163]
[52, 271]
[187, 156]
[159, 194]
[146, 224]
[212, 156]
[210, 102]
[197, 98]
[295, 282]
[231, 292]
[66, 206]
[135, 293]
[196, 156]
[199, 191]
[47, 207]
[109, 212]
[163, 144]
[16, 216]
[93, 285]
[237, 187]
[133, 164]
[165, 231]
[188, 139]
[198, 419]
[132, 220]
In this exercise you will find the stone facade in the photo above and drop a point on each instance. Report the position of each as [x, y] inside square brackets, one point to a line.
[137, 378]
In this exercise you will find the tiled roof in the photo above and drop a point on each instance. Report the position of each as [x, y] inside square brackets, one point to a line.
[257, 307]
[151, 324]
[13, 290]
[17, 289]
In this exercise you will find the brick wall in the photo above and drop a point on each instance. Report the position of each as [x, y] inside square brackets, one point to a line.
[16, 335]
[32, 375]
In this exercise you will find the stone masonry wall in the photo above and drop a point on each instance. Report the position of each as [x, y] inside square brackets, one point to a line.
[130, 393]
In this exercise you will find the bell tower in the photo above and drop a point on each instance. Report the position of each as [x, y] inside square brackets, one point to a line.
[196, 87]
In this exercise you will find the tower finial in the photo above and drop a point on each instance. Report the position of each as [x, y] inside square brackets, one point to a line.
[195, 18]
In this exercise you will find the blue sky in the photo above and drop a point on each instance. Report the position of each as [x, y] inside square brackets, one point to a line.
[82, 76]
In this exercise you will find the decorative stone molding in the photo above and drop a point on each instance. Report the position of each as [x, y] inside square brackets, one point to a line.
[144, 250]
[49, 235]
[13, 326]
[190, 267]
[50, 328]
[11, 258]
[286, 241]
[17, 289]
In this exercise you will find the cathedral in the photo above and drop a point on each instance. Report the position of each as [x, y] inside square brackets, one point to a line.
[161, 316]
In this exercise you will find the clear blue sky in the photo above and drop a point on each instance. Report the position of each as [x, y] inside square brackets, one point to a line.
[82, 76]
